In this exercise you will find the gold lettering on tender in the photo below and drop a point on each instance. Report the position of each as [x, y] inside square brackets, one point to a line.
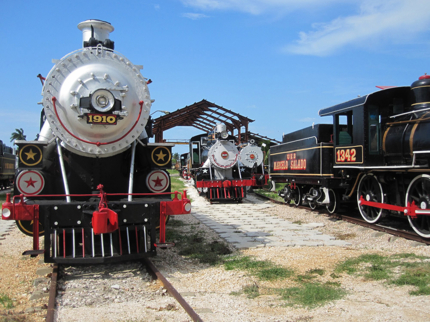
[299, 164]
[280, 165]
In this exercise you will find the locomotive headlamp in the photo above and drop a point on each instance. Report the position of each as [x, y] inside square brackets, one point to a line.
[102, 100]
[6, 212]
[224, 135]
[187, 207]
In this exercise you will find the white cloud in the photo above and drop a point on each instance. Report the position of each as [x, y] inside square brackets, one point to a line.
[376, 23]
[373, 23]
[257, 7]
[194, 16]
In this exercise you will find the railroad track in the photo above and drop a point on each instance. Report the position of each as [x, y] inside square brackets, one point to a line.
[399, 232]
[152, 270]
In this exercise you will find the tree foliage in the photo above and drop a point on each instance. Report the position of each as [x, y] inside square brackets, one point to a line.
[18, 135]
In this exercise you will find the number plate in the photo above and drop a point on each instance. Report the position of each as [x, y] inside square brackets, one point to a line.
[352, 154]
[102, 119]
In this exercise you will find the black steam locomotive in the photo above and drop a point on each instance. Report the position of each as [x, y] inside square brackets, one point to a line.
[183, 165]
[223, 170]
[91, 183]
[375, 154]
[7, 166]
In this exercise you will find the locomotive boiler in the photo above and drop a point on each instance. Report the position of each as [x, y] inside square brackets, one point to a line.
[92, 183]
[223, 170]
[376, 154]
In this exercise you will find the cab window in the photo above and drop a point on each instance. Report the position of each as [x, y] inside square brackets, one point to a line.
[374, 129]
[343, 125]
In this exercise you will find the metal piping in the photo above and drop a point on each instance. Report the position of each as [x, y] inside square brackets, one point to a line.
[131, 177]
[210, 168]
[63, 170]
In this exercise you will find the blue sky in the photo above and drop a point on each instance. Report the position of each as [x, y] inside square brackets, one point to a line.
[275, 61]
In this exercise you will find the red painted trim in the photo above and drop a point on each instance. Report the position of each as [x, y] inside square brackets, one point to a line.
[409, 210]
[54, 99]
[176, 193]
[220, 183]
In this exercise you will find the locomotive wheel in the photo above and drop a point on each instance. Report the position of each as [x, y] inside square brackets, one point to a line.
[287, 194]
[371, 190]
[312, 204]
[333, 205]
[26, 227]
[297, 196]
[419, 192]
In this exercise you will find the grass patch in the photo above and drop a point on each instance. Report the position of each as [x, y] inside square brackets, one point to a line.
[173, 171]
[352, 265]
[245, 263]
[176, 184]
[268, 194]
[274, 273]
[6, 301]
[399, 269]
[310, 275]
[418, 275]
[311, 294]
[307, 293]
[192, 244]
[251, 291]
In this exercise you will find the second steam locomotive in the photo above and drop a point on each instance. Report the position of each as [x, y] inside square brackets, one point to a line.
[376, 154]
[92, 183]
[222, 169]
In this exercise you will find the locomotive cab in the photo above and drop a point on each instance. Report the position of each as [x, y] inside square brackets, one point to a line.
[360, 128]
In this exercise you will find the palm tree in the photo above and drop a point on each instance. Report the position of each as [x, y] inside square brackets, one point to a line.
[18, 135]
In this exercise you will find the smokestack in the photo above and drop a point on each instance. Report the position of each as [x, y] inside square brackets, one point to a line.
[95, 32]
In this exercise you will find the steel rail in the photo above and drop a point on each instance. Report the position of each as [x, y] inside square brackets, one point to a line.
[358, 221]
[50, 315]
[172, 291]
[52, 295]
[390, 230]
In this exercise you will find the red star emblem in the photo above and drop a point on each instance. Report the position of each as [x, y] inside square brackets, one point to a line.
[30, 183]
[157, 182]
